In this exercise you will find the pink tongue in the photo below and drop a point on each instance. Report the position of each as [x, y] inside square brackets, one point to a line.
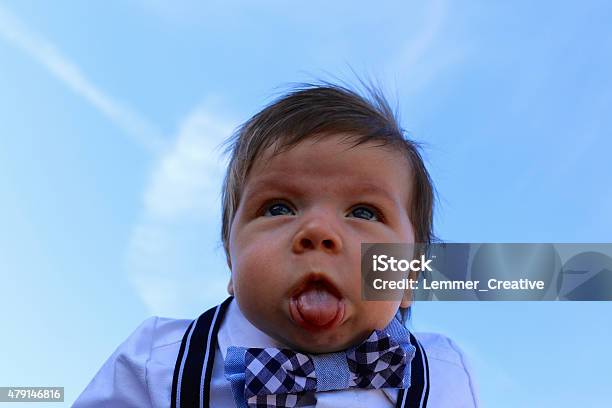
[317, 306]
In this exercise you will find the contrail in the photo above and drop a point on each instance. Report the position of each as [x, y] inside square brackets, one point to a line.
[14, 32]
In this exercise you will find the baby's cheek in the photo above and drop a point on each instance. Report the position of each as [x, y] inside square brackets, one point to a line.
[249, 261]
[378, 314]
[260, 276]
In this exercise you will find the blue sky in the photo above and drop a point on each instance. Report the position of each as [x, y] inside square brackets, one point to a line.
[110, 113]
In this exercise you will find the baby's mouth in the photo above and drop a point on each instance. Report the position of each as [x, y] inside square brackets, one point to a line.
[316, 304]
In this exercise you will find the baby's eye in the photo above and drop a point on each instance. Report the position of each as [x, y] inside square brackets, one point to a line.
[278, 209]
[366, 213]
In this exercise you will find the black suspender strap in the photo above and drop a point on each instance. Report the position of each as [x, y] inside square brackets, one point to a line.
[178, 365]
[194, 364]
[416, 396]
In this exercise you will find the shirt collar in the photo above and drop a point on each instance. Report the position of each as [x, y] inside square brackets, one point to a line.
[236, 330]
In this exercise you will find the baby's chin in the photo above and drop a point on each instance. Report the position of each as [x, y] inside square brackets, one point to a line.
[319, 343]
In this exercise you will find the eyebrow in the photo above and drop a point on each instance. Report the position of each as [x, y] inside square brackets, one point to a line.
[374, 189]
[285, 187]
[270, 184]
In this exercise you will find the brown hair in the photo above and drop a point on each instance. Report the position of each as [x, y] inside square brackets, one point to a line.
[315, 110]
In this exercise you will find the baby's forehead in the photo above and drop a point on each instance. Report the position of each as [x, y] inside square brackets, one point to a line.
[331, 147]
[334, 163]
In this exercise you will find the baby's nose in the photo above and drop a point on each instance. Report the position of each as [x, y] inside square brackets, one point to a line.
[317, 235]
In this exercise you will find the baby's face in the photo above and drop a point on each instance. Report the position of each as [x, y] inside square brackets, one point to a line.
[295, 240]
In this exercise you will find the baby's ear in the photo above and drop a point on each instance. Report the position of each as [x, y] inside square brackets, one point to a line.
[406, 299]
[230, 287]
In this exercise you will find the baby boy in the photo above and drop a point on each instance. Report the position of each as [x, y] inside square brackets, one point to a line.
[311, 177]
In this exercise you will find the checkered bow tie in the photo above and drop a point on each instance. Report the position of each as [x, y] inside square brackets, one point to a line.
[285, 378]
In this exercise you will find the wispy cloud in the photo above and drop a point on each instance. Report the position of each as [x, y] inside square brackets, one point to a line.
[428, 51]
[181, 213]
[188, 176]
[415, 49]
[174, 259]
[14, 32]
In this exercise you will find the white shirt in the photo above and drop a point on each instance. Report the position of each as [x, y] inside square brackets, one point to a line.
[139, 373]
